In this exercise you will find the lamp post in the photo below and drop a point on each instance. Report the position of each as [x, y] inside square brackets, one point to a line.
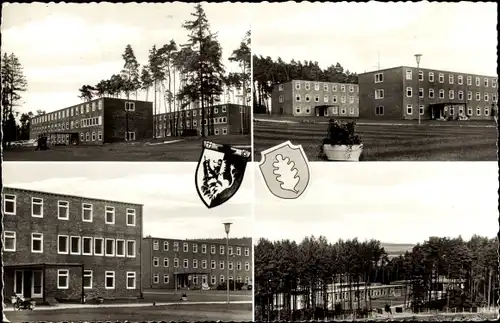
[227, 227]
[417, 58]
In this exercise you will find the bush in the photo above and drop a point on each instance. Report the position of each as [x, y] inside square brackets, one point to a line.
[223, 286]
[189, 133]
[340, 133]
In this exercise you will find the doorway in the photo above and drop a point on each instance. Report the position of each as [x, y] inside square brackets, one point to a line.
[28, 283]
[321, 111]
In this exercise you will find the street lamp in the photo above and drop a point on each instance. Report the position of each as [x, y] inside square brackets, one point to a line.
[227, 227]
[417, 58]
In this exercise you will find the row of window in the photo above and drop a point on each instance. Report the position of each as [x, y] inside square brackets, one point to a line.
[185, 248]
[217, 131]
[326, 87]
[83, 123]
[380, 94]
[76, 245]
[109, 279]
[195, 113]
[70, 112]
[326, 98]
[213, 264]
[37, 210]
[379, 78]
[379, 110]
[215, 121]
[335, 110]
[213, 279]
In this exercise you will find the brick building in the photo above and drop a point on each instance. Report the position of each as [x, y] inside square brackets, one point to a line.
[304, 99]
[228, 119]
[99, 121]
[170, 263]
[62, 246]
[404, 92]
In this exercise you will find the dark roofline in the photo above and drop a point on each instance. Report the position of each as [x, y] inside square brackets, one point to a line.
[425, 69]
[69, 195]
[42, 264]
[295, 80]
[199, 241]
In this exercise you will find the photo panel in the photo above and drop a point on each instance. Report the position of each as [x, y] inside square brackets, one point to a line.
[379, 241]
[376, 87]
[123, 241]
[124, 82]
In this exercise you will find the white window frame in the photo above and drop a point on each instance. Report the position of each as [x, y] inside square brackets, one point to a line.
[124, 244]
[441, 78]
[176, 246]
[195, 248]
[342, 88]
[222, 279]
[86, 274]
[451, 94]
[40, 203]
[221, 249]
[486, 96]
[469, 111]
[109, 210]
[325, 87]
[203, 248]
[469, 95]
[297, 85]
[247, 252]
[133, 248]
[451, 79]
[420, 75]
[213, 264]
[63, 273]
[195, 263]
[91, 245]
[460, 95]
[421, 110]
[185, 263]
[12, 235]
[441, 94]
[39, 237]
[112, 254]
[281, 99]
[109, 274]
[478, 96]
[91, 209]
[421, 92]
[379, 94]
[325, 98]
[431, 93]
[213, 249]
[102, 246]
[59, 244]
[131, 212]
[60, 204]
[221, 264]
[486, 82]
[204, 264]
[238, 251]
[131, 275]
[409, 74]
[156, 262]
[79, 244]
[185, 247]
[156, 245]
[409, 107]
[486, 111]
[478, 81]
[469, 80]
[431, 76]
[379, 77]
[460, 80]
[316, 86]
[130, 106]
[478, 111]
[166, 262]
[224, 131]
[410, 91]
[176, 262]
[280, 87]
[247, 266]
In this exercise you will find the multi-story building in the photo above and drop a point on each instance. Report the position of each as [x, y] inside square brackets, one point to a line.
[228, 119]
[67, 247]
[405, 92]
[99, 121]
[170, 263]
[305, 98]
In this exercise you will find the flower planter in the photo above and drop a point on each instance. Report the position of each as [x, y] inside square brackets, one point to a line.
[343, 152]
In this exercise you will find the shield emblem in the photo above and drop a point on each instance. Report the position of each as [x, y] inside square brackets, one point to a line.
[285, 170]
[220, 172]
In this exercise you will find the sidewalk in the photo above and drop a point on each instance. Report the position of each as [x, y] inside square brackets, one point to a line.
[77, 306]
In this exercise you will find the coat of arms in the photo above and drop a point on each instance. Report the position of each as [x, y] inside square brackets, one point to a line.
[219, 173]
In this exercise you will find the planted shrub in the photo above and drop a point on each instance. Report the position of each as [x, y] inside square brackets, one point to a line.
[340, 134]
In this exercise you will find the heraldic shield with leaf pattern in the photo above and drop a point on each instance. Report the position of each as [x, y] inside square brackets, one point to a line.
[220, 172]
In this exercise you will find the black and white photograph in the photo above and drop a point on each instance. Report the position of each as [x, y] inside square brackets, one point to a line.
[124, 82]
[377, 81]
[384, 241]
[91, 242]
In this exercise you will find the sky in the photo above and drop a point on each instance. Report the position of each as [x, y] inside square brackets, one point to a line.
[172, 207]
[393, 202]
[459, 36]
[64, 46]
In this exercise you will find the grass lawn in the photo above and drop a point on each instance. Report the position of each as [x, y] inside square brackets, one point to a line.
[186, 150]
[389, 142]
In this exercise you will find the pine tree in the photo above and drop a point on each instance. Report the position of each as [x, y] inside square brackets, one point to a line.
[130, 76]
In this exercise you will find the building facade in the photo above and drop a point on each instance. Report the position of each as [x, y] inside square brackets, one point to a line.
[405, 92]
[66, 247]
[181, 264]
[305, 99]
[228, 119]
[99, 121]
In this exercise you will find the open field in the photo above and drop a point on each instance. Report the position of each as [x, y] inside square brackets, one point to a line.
[408, 141]
[179, 313]
[185, 150]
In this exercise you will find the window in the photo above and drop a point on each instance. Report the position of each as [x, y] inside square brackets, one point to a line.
[335, 110]
[195, 263]
[421, 110]
[379, 77]
[280, 88]
[334, 88]
[203, 248]
[37, 242]
[9, 241]
[379, 94]
[494, 97]
[224, 131]
[176, 262]
[82, 136]
[110, 247]
[221, 264]
[131, 248]
[221, 279]
[213, 264]
[62, 279]
[130, 135]
[94, 137]
[98, 246]
[212, 249]
[469, 80]
[441, 78]
[325, 98]
[129, 106]
[166, 262]
[156, 245]
[247, 252]
[86, 212]
[131, 279]
[185, 247]
[469, 95]
[185, 263]
[431, 93]
[9, 204]
[87, 279]
[308, 98]
[230, 265]
[110, 215]
[238, 251]
[486, 97]
[450, 79]
[221, 250]
[297, 85]
[156, 261]
[420, 75]
[204, 264]
[334, 99]
[342, 88]
[451, 94]
[478, 96]
[441, 94]
[87, 136]
[131, 217]
[325, 87]
[409, 109]
[247, 266]
[460, 79]
[176, 246]
[165, 245]
[494, 83]
[281, 99]
[342, 99]
[156, 279]
[351, 88]
[166, 278]
[478, 111]
[120, 248]
[409, 92]
[62, 210]
[87, 246]
[316, 86]
[110, 279]
[485, 82]
[469, 111]
[223, 110]
[409, 74]
[36, 207]
[478, 81]
[379, 111]
[431, 76]
[486, 111]
[195, 248]
[75, 245]
[460, 95]
[213, 280]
